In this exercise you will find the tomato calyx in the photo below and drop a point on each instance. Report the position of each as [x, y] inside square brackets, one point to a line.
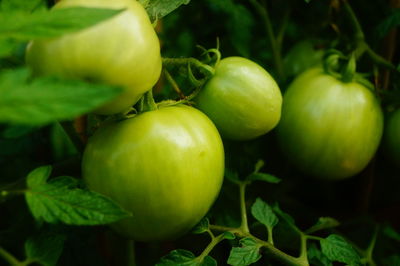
[343, 68]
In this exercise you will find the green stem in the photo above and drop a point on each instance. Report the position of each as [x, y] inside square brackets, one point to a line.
[303, 246]
[270, 235]
[4, 194]
[244, 226]
[9, 257]
[370, 250]
[213, 243]
[359, 34]
[269, 248]
[148, 102]
[173, 83]
[204, 68]
[275, 47]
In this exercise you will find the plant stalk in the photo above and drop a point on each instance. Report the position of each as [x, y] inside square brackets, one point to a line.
[9, 257]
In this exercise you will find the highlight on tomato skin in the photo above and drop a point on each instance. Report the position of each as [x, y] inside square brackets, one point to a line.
[329, 129]
[121, 51]
[165, 166]
[242, 99]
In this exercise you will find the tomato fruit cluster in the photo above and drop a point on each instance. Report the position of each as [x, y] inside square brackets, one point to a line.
[329, 129]
[122, 51]
[242, 99]
[165, 166]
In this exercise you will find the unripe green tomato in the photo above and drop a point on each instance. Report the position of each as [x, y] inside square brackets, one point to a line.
[165, 166]
[122, 51]
[242, 99]
[329, 129]
[302, 56]
[392, 137]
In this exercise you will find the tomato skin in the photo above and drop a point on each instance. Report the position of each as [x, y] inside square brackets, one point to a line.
[110, 52]
[165, 166]
[242, 99]
[392, 137]
[302, 56]
[329, 129]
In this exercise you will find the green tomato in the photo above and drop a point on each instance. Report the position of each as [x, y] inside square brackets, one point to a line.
[329, 129]
[242, 99]
[122, 51]
[165, 166]
[302, 56]
[392, 137]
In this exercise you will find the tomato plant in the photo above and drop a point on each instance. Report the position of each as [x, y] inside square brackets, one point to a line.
[150, 162]
[242, 99]
[123, 51]
[125, 139]
[329, 129]
[392, 137]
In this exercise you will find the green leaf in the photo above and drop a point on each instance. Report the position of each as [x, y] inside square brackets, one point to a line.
[390, 232]
[7, 47]
[43, 24]
[17, 131]
[61, 200]
[201, 227]
[38, 176]
[335, 248]
[286, 217]
[264, 177]
[323, 223]
[316, 257]
[264, 213]
[45, 249]
[247, 254]
[22, 5]
[160, 8]
[47, 99]
[389, 23]
[177, 257]
[229, 235]
[258, 166]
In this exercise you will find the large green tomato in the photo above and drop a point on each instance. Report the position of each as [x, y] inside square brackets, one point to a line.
[242, 99]
[165, 166]
[122, 51]
[392, 137]
[329, 129]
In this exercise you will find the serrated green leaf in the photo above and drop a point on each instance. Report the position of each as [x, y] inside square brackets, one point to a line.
[45, 249]
[323, 223]
[264, 213]
[316, 257]
[336, 248]
[177, 257]
[201, 227]
[390, 232]
[44, 24]
[60, 200]
[160, 8]
[47, 99]
[229, 235]
[38, 176]
[264, 177]
[248, 253]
